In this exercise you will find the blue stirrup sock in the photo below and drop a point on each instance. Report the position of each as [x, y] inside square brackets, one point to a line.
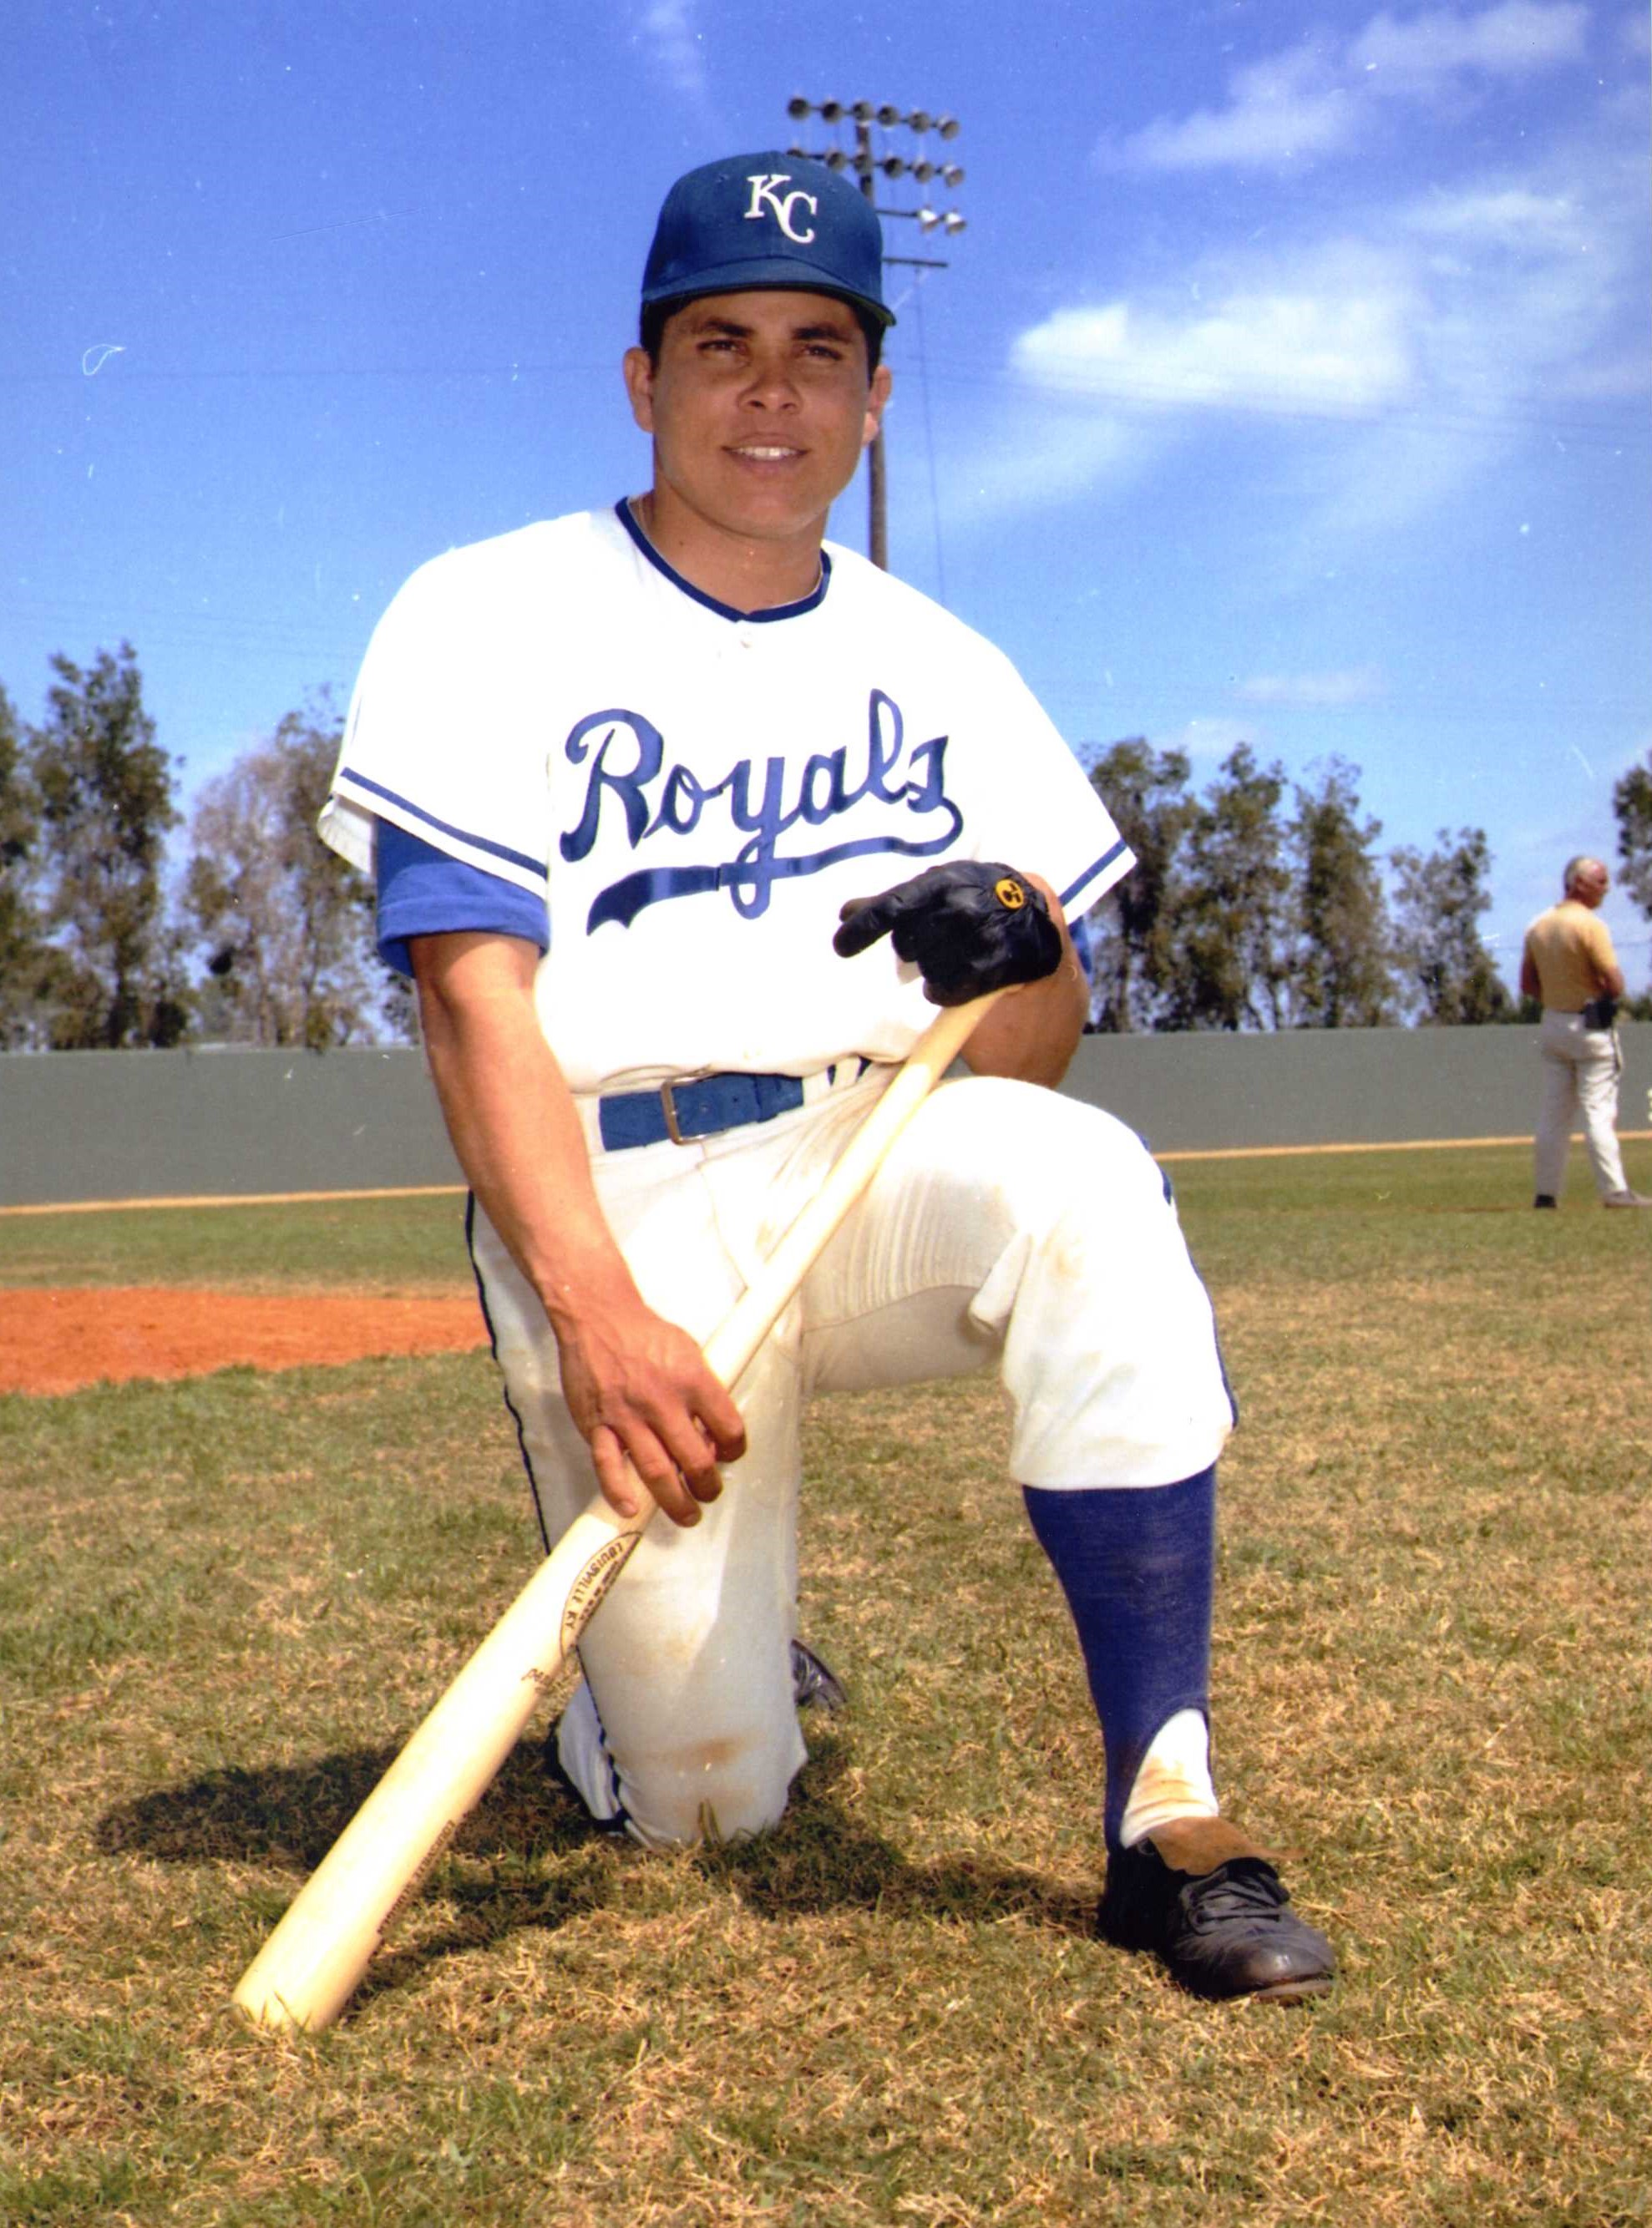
[1137, 1565]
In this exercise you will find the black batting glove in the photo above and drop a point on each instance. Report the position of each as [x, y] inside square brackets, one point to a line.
[969, 927]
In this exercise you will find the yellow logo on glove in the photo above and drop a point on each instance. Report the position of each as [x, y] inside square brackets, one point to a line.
[1009, 893]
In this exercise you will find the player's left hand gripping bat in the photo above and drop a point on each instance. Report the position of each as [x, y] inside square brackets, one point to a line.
[309, 1969]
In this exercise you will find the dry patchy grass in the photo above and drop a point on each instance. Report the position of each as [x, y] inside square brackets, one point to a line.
[225, 1602]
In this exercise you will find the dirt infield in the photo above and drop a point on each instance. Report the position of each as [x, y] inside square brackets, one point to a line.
[58, 1339]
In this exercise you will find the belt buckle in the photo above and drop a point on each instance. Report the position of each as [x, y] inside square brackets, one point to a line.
[668, 1108]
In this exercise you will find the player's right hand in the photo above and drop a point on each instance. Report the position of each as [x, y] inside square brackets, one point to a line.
[649, 1408]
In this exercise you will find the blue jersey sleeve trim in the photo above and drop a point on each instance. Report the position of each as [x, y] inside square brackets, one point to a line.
[461, 835]
[1090, 873]
[1084, 947]
[425, 891]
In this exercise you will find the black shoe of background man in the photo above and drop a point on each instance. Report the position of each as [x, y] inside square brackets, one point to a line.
[1211, 1906]
[813, 1686]
[1544, 1199]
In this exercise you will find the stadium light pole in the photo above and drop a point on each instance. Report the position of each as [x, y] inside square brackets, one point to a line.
[865, 115]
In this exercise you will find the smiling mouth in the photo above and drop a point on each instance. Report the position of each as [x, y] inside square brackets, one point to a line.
[766, 453]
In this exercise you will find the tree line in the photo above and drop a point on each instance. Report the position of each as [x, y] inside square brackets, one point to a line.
[1259, 904]
[1266, 904]
[264, 937]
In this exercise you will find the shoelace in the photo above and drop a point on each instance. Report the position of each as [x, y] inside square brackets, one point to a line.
[1244, 1887]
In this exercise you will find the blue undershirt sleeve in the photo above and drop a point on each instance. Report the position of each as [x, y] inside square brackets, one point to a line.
[423, 891]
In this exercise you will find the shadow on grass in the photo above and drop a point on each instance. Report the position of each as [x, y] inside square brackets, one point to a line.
[821, 1858]
[292, 1816]
[547, 1866]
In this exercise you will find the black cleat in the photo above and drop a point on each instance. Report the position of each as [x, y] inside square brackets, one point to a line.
[1544, 1199]
[1218, 1916]
[612, 1828]
[813, 1685]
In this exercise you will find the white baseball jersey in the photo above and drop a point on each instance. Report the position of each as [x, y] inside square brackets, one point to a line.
[695, 791]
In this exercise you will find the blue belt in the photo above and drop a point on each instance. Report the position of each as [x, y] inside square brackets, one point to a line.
[700, 1107]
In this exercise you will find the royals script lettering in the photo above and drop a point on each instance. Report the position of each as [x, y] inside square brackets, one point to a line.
[883, 794]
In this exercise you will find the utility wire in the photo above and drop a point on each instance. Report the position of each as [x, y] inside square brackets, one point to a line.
[1063, 377]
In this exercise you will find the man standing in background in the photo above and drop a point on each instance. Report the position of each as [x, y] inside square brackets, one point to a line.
[1568, 961]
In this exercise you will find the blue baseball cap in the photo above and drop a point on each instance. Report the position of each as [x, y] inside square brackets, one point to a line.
[766, 220]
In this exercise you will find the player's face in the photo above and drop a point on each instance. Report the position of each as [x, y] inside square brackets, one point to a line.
[759, 406]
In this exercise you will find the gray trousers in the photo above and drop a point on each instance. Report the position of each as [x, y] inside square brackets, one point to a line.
[1580, 1072]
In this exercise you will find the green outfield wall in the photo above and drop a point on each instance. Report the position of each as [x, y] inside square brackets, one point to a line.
[139, 1126]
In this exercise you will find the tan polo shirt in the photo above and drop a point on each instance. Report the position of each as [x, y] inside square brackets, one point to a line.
[1571, 947]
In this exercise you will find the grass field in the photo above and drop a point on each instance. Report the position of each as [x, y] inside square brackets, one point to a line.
[225, 1601]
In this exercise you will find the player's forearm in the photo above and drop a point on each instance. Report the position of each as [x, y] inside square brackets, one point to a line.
[1031, 1036]
[514, 1126]
[637, 1387]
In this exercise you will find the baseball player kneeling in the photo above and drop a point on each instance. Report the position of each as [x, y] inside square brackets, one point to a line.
[682, 817]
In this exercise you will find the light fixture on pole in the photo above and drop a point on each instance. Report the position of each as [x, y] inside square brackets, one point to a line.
[866, 116]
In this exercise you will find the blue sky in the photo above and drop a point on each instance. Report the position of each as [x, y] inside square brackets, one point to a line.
[1290, 382]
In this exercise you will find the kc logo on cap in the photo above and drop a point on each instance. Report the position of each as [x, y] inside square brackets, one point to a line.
[766, 202]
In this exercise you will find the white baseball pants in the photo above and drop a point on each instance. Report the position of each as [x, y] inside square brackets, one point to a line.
[1580, 1071]
[1007, 1224]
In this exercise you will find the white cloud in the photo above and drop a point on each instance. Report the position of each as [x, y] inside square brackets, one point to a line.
[1280, 110]
[1328, 339]
[1048, 460]
[1616, 378]
[1314, 100]
[1312, 691]
[667, 29]
[1526, 281]
[1499, 215]
[1423, 54]
[1381, 356]
[1432, 334]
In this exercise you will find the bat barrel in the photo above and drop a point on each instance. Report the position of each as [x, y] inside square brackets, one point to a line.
[309, 1967]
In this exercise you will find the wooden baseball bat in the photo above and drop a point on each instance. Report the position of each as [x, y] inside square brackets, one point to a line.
[309, 1967]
